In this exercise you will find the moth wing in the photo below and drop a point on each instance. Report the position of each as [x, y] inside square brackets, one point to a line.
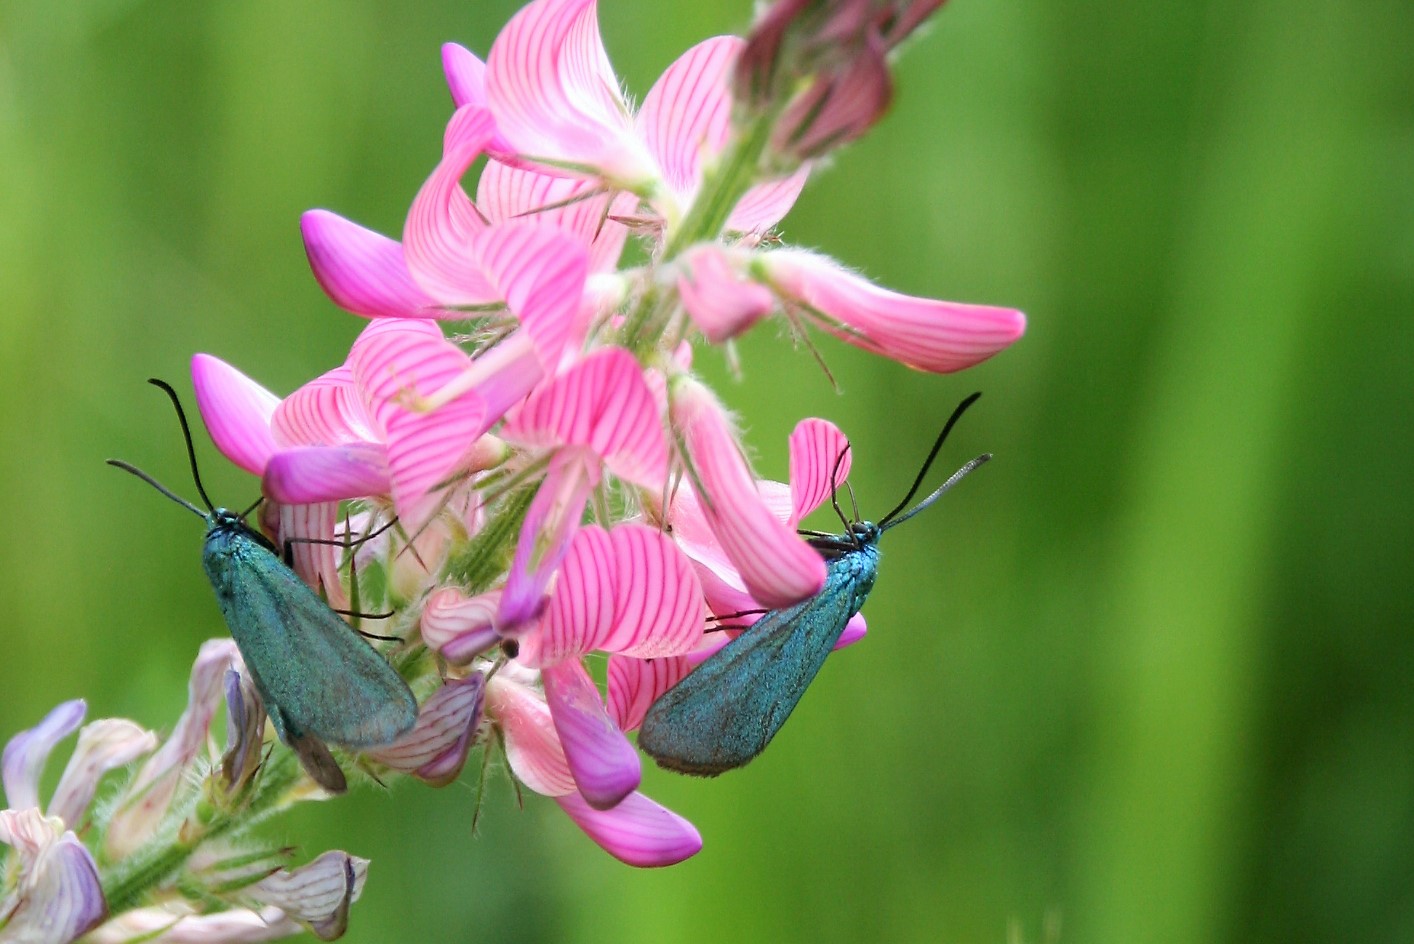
[308, 663]
[727, 710]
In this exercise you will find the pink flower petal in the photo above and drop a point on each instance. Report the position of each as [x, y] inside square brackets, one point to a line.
[854, 631]
[466, 75]
[236, 411]
[764, 205]
[362, 271]
[532, 747]
[657, 600]
[327, 410]
[103, 746]
[26, 753]
[638, 831]
[555, 95]
[686, 116]
[541, 274]
[316, 894]
[720, 301]
[458, 626]
[605, 765]
[919, 332]
[635, 684]
[56, 894]
[819, 464]
[777, 567]
[435, 749]
[442, 222]
[576, 206]
[581, 609]
[327, 473]
[317, 564]
[602, 403]
[159, 925]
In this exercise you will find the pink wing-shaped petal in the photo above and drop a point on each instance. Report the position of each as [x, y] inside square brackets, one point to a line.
[327, 473]
[635, 684]
[638, 831]
[540, 272]
[436, 747]
[922, 333]
[606, 768]
[819, 464]
[532, 747]
[26, 753]
[686, 116]
[577, 206]
[326, 411]
[236, 410]
[362, 271]
[554, 94]
[721, 302]
[657, 600]
[581, 609]
[764, 205]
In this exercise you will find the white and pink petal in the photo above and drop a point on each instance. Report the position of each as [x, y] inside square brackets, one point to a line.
[27, 752]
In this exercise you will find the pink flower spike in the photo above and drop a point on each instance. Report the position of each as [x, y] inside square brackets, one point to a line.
[606, 768]
[361, 271]
[721, 302]
[637, 832]
[327, 473]
[532, 747]
[435, 749]
[777, 568]
[26, 753]
[922, 333]
[103, 746]
[458, 626]
[819, 464]
[555, 96]
[236, 411]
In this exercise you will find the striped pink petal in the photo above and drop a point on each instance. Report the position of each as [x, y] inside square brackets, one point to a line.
[442, 221]
[362, 271]
[581, 609]
[658, 606]
[236, 410]
[395, 369]
[686, 116]
[777, 568]
[601, 403]
[819, 464]
[637, 832]
[576, 206]
[922, 333]
[27, 752]
[540, 272]
[555, 96]
[532, 747]
[458, 626]
[317, 564]
[635, 684]
[721, 302]
[317, 894]
[436, 747]
[326, 411]
[605, 765]
[103, 746]
[764, 205]
[545, 537]
[327, 473]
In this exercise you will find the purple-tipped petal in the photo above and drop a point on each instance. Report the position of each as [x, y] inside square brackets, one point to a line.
[533, 747]
[435, 749]
[458, 626]
[658, 605]
[26, 753]
[362, 271]
[103, 746]
[606, 768]
[635, 684]
[318, 894]
[819, 464]
[307, 474]
[686, 116]
[638, 831]
[922, 333]
[236, 410]
[777, 567]
[720, 301]
[57, 897]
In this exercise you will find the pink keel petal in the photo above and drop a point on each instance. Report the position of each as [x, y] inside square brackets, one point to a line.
[721, 303]
[236, 410]
[920, 332]
[606, 768]
[327, 473]
[819, 464]
[638, 831]
[26, 753]
[362, 271]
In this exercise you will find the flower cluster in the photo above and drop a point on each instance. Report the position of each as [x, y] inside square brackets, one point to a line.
[566, 496]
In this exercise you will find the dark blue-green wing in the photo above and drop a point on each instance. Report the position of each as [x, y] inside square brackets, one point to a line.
[727, 710]
[318, 677]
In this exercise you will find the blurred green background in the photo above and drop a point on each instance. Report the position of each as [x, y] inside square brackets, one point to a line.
[1146, 677]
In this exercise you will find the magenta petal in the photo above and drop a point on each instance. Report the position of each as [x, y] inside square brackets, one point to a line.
[658, 609]
[532, 747]
[103, 746]
[721, 302]
[638, 831]
[606, 768]
[920, 332]
[819, 464]
[576, 206]
[686, 116]
[325, 411]
[854, 631]
[635, 684]
[236, 410]
[466, 75]
[581, 609]
[327, 473]
[435, 749]
[362, 271]
[442, 222]
[602, 403]
[764, 205]
[777, 567]
[26, 753]
[458, 626]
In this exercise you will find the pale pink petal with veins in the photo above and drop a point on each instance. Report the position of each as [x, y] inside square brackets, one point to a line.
[27, 752]
[577, 206]
[819, 464]
[458, 626]
[103, 746]
[532, 747]
[686, 117]
[328, 410]
[436, 747]
[317, 894]
[721, 302]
